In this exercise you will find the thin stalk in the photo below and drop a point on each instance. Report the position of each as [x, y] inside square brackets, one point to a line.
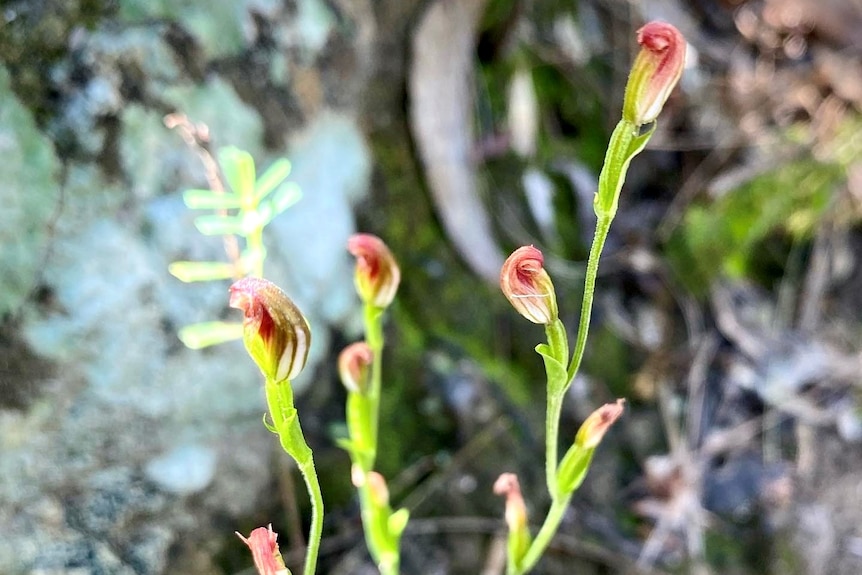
[374, 338]
[545, 535]
[552, 434]
[315, 533]
[602, 226]
[285, 422]
[366, 510]
[559, 348]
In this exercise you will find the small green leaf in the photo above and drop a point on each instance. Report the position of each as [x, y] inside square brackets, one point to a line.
[201, 271]
[556, 371]
[397, 522]
[238, 168]
[263, 215]
[210, 200]
[271, 178]
[215, 225]
[206, 334]
[287, 195]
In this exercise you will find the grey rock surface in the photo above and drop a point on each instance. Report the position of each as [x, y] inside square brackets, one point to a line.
[120, 449]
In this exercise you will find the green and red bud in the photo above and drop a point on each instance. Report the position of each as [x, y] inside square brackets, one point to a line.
[597, 424]
[377, 274]
[516, 510]
[576, 462]
[516, 516]
[528, 287]
[264, 551]
[275, 332]
[656, 70]
[353, 366]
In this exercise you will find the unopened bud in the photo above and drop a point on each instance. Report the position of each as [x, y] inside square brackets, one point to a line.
[656, 70]
[353, 363]
[264, 551]
[528, 287]
[276, 334]
[377, 274]
[516, 510]
[596, 425]
[516, 517]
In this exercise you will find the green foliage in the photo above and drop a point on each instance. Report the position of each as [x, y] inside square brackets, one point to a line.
[725, 237]
[243, 209]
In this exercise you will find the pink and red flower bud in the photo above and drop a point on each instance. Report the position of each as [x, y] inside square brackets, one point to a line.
[516, 510]
[275, 332]
[377, 274]
[528, 287]
[656, 70]
[596, 425]
[353, 363]
[264, 551]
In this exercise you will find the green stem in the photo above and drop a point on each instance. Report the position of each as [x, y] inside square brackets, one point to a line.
[552, 434]
[558, 346]
[373, 317]
[602, 226]
[309, 474]
[372, 534]
[285, 422]
[545, 535]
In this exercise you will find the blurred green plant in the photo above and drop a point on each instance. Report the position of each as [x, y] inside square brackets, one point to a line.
[242, 209]
[377, 277]
[784, 202]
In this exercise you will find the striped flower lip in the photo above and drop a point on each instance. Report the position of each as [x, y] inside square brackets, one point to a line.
[275, 332]
[528, 287]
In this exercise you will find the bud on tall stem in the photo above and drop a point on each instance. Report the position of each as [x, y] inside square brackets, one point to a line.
[377, 274]
[528, 287]
[656, 70]
[275, 332]
[597, 424]
[353, 366]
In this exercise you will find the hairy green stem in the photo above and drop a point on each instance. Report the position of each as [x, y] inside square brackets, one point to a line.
[309, 474]
[285, 422]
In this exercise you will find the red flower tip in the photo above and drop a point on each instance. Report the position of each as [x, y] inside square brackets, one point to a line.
[656, 70]
[516, 510]
[275, 332]
[528, 287]
[377, 274]
[353, 362]
[597, 424]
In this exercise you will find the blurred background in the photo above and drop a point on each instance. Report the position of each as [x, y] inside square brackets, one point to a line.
[729, 306]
